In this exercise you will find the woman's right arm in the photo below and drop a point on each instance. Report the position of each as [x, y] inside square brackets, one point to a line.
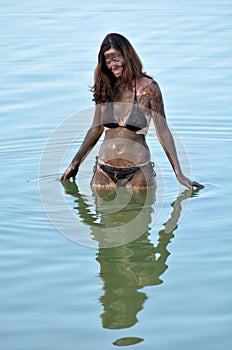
[91, 138]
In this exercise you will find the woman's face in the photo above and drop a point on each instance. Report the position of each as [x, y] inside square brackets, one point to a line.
[114, 62]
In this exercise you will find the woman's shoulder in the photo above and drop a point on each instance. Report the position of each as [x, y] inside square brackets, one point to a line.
[148, 86]
[150, 91]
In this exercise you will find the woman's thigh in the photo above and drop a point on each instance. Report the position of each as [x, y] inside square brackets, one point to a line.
[143, 178]
[101, 180]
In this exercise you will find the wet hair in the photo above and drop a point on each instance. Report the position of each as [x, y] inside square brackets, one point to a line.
[104, 81]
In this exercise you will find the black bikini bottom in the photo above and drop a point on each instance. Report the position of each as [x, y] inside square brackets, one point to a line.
[118, 174]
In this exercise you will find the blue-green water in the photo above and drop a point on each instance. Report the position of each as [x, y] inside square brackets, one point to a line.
[169, 288]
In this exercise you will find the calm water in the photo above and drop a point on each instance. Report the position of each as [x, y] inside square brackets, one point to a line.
[171, 286]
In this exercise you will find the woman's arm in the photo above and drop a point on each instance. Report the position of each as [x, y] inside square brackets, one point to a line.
[91, 138]
[165, 137]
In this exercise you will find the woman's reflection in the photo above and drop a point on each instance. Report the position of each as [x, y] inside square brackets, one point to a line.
[126, 269]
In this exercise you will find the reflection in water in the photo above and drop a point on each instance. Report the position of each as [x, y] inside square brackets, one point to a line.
[127, 341]
[126, 269]
[117, 217]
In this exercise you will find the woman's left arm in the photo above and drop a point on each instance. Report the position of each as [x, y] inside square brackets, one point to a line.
[165, 137]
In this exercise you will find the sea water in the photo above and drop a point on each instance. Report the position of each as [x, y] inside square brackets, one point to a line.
[61, 285]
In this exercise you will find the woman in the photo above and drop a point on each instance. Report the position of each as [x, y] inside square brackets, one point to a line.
[126, 99]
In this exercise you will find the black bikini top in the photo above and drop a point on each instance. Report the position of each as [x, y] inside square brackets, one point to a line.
[135, 121]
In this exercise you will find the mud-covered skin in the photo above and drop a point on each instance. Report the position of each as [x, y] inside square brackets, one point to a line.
[114, 62]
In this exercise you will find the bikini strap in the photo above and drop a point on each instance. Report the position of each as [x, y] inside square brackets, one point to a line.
[135, 95]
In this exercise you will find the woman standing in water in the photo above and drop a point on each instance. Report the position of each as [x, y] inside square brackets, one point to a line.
[126, 100]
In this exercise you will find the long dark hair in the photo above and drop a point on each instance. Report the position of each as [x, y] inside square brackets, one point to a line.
[104, 81]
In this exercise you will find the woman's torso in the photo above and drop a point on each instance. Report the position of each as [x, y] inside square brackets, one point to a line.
[126, 122]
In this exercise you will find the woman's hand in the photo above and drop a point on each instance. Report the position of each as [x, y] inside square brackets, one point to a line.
[188, 183]
[71, 171]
